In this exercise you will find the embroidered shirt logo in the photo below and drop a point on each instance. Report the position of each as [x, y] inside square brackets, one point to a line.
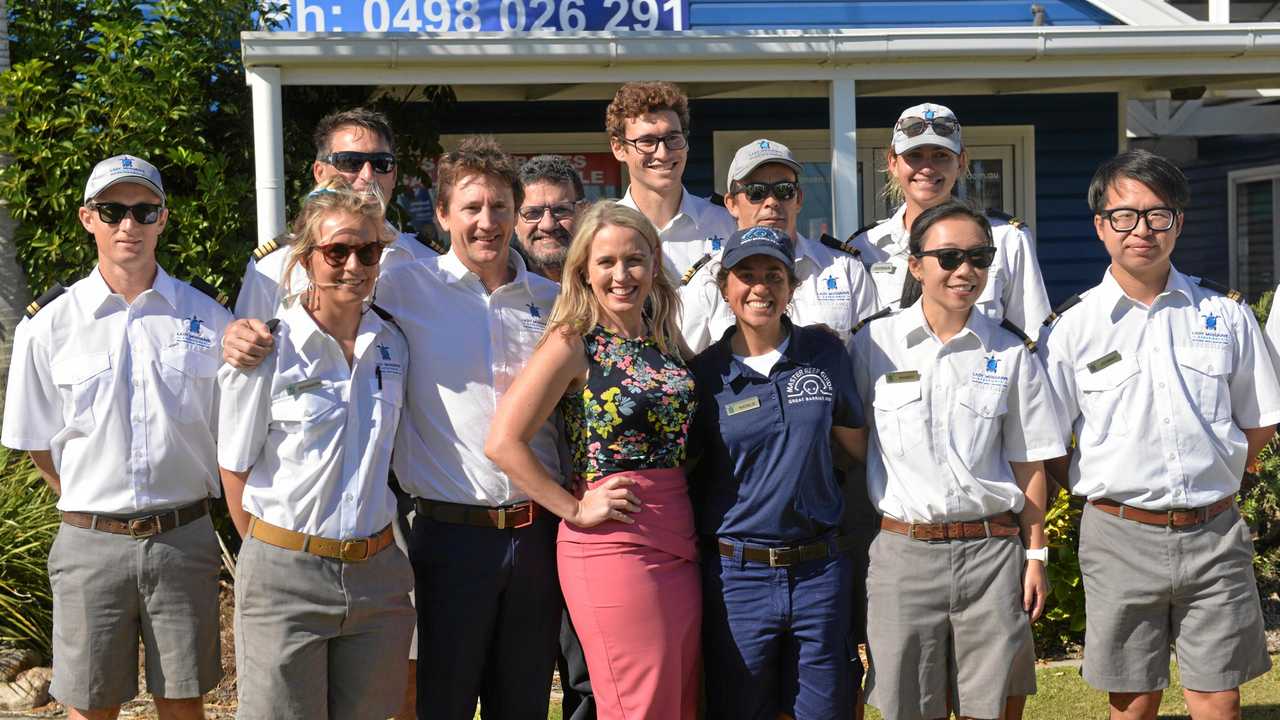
[830, 292]
[384, 352]
[1210, 321]
[193, 324]
[1212, 334]
[192, 333]
[532, 320]
[534, 311]
[809, 385]
[990, 375]
[831, 282]
[716, 242]
[992, 363]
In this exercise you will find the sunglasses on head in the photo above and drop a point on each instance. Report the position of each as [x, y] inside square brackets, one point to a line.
[112, 213]
[336, 254]
[942, 127]
[756, 192]
[951, 258]
[353, 162]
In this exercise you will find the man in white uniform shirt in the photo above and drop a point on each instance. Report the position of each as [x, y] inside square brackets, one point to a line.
[112, 390]
[1169, 392]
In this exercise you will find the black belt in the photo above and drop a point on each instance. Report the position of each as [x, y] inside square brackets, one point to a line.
[785, 556]
[503, 518]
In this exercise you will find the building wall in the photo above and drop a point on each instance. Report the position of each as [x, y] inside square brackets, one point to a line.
[752, 14]
[1074, 133]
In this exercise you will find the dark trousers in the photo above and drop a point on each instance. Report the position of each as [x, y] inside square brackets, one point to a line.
[489, 609]
[579, 703]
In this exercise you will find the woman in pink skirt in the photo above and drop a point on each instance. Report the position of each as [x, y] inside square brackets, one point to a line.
[610, 362]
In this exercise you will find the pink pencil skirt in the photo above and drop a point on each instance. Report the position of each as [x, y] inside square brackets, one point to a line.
[638, 608]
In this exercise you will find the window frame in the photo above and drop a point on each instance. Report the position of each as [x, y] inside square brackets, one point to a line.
[1236, 178]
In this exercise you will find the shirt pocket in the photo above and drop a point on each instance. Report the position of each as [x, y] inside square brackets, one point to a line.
[1106, 396]
[311, 414]
[388, 399]
[83, 379]
[1206, 373]
[900, 416]
[975, 427]
[187, 378]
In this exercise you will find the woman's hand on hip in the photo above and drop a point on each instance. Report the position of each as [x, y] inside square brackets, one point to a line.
[610, 500]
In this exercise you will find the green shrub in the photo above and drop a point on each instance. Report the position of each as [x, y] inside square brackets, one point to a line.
[1062, 625]
[28, 523]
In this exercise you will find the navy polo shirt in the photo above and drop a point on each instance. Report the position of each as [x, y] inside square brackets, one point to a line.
[765, 474]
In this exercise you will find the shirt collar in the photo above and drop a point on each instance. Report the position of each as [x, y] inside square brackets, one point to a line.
[1112, 294]
[734, 367]
[303, 328]
[915, 330]
[97, 291]
[456, 272]
[897, 227]
[689, 207]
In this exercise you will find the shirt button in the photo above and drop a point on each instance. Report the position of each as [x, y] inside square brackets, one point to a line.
[1166, 421]
[1161, 384]
[1172, 456]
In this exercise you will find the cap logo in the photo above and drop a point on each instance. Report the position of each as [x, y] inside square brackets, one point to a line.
[928, 114]
[764, 144]
[126, 162]
[760, 234]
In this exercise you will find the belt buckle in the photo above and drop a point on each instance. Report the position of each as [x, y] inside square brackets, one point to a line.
[504, 511]
[142, 528]
[346, 550]
[777, 559]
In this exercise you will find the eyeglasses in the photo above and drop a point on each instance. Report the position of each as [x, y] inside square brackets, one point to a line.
[649, 143]
[112, 213]
[756, 192]
[951, 258]
[1126, 219]
[559, 211]
[942, 127]
[336, 254]
[353, 162]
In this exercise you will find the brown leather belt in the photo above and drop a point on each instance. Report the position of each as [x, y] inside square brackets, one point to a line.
[784, 556]
[503, 518]
[1002, 525]
[139, 527]
[1165, 518]
[353, 550]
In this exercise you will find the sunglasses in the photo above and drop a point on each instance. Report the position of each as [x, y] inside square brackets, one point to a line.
[353, 162]
[336, 254]
[942, 127]
[112, 213]
[756, 192]
[951, 258]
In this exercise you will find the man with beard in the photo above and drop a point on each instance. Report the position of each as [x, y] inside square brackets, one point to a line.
[544, 223]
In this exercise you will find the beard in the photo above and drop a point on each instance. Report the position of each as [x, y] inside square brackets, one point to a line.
[539, 258]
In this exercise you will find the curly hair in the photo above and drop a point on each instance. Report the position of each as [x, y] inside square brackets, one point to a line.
[634, 99]
[476, 155]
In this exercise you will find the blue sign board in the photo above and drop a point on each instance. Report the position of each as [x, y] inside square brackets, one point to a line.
[484, 15]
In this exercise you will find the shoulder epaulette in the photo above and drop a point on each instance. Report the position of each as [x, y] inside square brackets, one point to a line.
[49, 296]
[716, 199]
[1064, 306]
[272, 324]
[865, 228]
[1002, 215]
[694, 268]
[433, 243]
[266, 249]
[842, 246]
[1012, 327]
[208, 289]
[1231, 293]
[882, 312]
[386, 316]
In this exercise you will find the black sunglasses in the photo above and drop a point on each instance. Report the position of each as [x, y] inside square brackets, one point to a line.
[951, 258]
[112, 213]
[353, 162]
[756, 192]
[942, 127]
[336, 254]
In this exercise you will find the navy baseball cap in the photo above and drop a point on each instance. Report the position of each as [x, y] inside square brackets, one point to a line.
[759, 240]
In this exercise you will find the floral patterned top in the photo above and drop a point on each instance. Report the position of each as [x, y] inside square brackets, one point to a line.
[634, 411]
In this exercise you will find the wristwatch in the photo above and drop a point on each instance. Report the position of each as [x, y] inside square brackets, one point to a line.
[1041, 554]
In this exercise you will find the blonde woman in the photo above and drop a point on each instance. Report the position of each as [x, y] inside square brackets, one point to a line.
[610, 360]
[323, 618]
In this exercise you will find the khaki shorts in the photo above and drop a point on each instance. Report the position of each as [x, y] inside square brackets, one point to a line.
[109, 590]
[946, 616]
[1147, 587]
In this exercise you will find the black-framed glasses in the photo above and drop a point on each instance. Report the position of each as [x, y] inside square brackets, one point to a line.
[112, 213]
[951, 258]
[336, 254]
[1126, 219]
[756, 192]
[559, 212]
[349, 161]
[649, 143]
[942, 126]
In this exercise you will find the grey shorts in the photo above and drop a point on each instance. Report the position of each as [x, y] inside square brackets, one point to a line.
[109, 590]
[946, 616]
[1147, 587]
[318, 638]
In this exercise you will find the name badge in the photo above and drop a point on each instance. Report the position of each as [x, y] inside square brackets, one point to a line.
[884, 267]
[742, 406]
[1105, 361]
[902, 376]
[298, 388]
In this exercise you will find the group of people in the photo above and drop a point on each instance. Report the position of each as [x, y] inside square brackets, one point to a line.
[670, 441]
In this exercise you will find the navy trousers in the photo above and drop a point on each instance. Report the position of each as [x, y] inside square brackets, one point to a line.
[579, 703]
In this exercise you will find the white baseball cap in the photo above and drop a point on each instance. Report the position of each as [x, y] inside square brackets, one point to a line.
[123, 168]
[929, 113]
[757, 153]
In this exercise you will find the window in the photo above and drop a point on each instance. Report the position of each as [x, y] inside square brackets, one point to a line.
[1253, 228]
[588, 152]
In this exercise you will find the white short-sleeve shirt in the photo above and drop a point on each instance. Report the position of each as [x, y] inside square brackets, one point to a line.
[1157, 396]
[699, 227]
[1015, 288]
[467, 345]
[834, 290]
[262, 291]
[947, 418]
[123, 394]
[314, 433]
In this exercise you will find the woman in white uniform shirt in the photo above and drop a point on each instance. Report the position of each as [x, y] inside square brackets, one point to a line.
[323, 618]
[962, 420]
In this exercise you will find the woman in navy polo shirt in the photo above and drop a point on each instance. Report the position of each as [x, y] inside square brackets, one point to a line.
[777, 582]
